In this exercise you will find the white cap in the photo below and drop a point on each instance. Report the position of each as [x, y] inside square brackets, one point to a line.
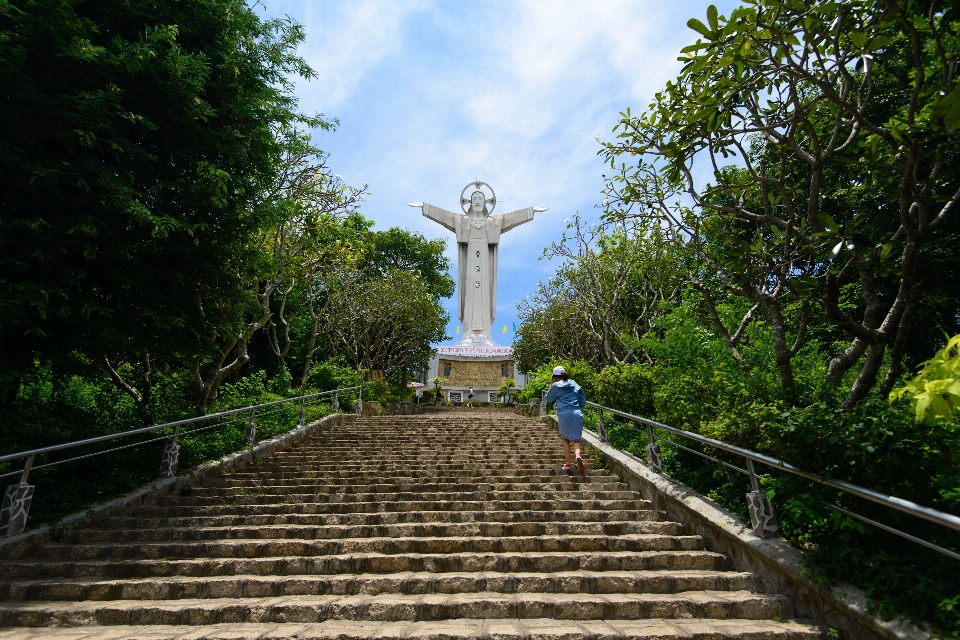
[559, 371]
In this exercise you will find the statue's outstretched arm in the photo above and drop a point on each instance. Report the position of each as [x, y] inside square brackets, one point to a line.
[446, 218]
[515, 219]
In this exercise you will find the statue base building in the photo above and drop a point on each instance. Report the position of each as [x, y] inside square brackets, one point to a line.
[475, 361]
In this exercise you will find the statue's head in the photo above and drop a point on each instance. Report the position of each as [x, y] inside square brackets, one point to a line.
[478, 203]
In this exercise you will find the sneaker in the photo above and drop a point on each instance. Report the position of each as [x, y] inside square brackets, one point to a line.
[566, 470]
[580, 467]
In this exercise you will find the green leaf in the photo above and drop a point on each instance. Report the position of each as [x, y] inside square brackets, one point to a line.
[941, 407]
[858, 39]
[827, 220]
[712, 17]
[700, 28]
[690, 48]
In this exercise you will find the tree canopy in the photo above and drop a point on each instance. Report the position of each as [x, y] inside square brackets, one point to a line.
[164, 211]
[828, 135]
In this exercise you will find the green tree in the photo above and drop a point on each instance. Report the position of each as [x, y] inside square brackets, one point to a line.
[400, 249]
[137, 140]
[387, 324]
[844, 118]
[604, 296]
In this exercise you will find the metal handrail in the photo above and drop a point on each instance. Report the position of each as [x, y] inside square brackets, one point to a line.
[113, 436]
[17, 499]
[899, 504]
[762, 516]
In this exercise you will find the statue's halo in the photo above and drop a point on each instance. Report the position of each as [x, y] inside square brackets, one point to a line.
[492, 200]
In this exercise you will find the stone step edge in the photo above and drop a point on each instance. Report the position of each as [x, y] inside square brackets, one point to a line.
[414, 582]
[468, 629]
[440, 530]
[699, 604]
[371, 540]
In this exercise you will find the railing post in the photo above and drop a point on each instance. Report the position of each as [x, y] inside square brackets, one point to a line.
[335, 405]
[302, 414]
[251, 431]
[762, 516]
[653, 451]
[16, 503]
[543, 405]
[602, 428]
[170, 457]
[360, 402]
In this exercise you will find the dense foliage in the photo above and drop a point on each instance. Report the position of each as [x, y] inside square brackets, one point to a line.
[777, 252]
[173, 243]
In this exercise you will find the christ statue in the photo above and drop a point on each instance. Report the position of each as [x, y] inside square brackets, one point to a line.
[478, 236]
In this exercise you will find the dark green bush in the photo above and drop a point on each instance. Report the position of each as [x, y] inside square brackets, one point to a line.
[50, 410]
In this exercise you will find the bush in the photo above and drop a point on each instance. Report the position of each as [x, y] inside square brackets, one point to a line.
[627, 387]
[51, 410]
[538, 381]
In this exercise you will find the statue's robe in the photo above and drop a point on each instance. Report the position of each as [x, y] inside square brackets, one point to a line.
[478, 238]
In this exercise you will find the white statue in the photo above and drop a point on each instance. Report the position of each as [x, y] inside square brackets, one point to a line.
[478, 236]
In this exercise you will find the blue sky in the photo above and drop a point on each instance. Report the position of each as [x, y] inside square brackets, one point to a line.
[432, 95]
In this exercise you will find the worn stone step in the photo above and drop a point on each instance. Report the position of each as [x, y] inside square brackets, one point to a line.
[349, 533]
[458, 629]
[397, 607]
[322, 484]
[311, 532]
[551, 474]
[324, 547]
[268, 495]
[334, 453]
[420, 469]
[391, 517]
[253, 586]
[239, 504]
[548, 562]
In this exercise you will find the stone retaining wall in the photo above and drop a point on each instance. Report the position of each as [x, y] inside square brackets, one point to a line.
[373, 408]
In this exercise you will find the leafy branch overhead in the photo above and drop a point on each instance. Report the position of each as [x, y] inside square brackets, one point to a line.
[806, 149]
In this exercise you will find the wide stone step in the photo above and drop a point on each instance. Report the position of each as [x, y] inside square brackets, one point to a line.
[421, 469]
[480, 452]
[324, 547]
[221, 486]
[408, 475]
[393, 517]
[375, 563]
[251, 507]
[465, 629]
[253, 586]
[311, 532]
[269, 495]
[392, 608]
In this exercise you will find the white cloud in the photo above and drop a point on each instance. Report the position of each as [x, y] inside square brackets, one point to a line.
[346, 41]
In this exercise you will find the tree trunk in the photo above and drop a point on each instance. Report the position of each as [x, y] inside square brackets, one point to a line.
[206, 387]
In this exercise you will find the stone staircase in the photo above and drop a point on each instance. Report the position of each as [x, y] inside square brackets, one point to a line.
[439, 526]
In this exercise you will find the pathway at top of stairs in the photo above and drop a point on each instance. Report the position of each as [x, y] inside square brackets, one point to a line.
[448, 525]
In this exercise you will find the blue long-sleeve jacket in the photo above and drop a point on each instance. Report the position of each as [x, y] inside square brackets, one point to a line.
[568, 395]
